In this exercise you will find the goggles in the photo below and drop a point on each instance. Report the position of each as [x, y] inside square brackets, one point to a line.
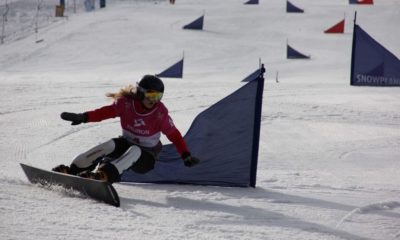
[151, 95]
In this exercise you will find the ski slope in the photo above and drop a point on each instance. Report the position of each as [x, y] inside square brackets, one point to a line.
[329, 153]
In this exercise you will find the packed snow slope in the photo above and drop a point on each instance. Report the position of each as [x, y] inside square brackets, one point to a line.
[329, 154]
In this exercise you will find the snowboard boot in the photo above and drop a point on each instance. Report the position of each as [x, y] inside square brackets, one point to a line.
[106, 172]
[73, 169]
[61, 169]
[98, 175]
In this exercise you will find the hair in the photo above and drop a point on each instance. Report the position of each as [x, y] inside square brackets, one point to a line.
[127, 91]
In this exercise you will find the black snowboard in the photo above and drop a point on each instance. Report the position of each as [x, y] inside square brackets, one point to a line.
[95, 189]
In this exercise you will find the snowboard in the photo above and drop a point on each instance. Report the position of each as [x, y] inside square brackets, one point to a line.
[98, 190]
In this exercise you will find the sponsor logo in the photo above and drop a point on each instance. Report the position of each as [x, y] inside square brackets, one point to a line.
[376, 80]
[139, 123]
[138, 131]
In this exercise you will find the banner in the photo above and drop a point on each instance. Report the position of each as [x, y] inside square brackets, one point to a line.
[251, 2]
[290, 8]
[196, 24]
[292, 53]
[225, 137]
[372, 64]
[337, 28]
[175, 71]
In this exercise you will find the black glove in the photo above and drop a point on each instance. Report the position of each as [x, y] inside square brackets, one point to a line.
[75, 118]
[188, 160]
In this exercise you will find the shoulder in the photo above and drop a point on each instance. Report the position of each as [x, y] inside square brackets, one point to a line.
[123, 100]
[162, 112]
[162, 108]
[122, 103]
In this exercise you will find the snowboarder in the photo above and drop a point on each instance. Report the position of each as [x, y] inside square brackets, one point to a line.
[143, 117]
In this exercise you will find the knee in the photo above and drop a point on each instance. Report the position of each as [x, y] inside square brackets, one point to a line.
[89, 157]
[128, 159]
[144, 164]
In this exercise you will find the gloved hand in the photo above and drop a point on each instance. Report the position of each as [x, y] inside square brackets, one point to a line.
[189, 160]
[75, 118]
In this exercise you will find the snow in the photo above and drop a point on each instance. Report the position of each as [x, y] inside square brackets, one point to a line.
[329, 153]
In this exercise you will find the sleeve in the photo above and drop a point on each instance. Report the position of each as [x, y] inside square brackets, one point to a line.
[176, 138]
[106, 112]
[168, 128]
[101, 114]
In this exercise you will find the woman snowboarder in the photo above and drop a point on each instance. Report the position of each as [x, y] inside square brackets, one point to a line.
[143, 118]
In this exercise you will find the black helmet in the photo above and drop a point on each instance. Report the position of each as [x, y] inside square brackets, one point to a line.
[151, 82]
[152, 86]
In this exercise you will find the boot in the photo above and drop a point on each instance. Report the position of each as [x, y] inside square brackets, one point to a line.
[73, 169]
[106, 172]
[62, 169]
[98, 175]
[111, 171]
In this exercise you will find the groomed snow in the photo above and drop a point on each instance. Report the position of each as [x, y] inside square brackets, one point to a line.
[329, 154]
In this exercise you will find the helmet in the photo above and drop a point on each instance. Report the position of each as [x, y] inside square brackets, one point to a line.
[150, 87]
[151, 82]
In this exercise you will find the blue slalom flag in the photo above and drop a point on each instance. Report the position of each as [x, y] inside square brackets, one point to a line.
[225, 137]
[252, 76]
[196, 24]
[371, 63]
[251, 2]
[175, 71]
[291, 53]
[291, 8]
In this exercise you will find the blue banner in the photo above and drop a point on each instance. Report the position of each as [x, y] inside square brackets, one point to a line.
[225, 137]
[251, 2]
[252, 76]
[292, 53]
[372, 64]
[175, 71]
[290, 8]
[196, 24]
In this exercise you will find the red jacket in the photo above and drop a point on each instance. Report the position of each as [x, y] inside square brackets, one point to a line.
[139, 125]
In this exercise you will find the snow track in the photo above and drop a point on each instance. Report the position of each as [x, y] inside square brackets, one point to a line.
[329, 153]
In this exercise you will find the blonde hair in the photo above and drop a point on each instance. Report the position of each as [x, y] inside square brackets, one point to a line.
[127, 91]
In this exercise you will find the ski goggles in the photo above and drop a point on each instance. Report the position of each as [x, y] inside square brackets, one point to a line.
[151, 95]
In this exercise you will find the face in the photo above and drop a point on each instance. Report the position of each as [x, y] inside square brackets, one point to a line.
[151, 97]
[148, 103]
